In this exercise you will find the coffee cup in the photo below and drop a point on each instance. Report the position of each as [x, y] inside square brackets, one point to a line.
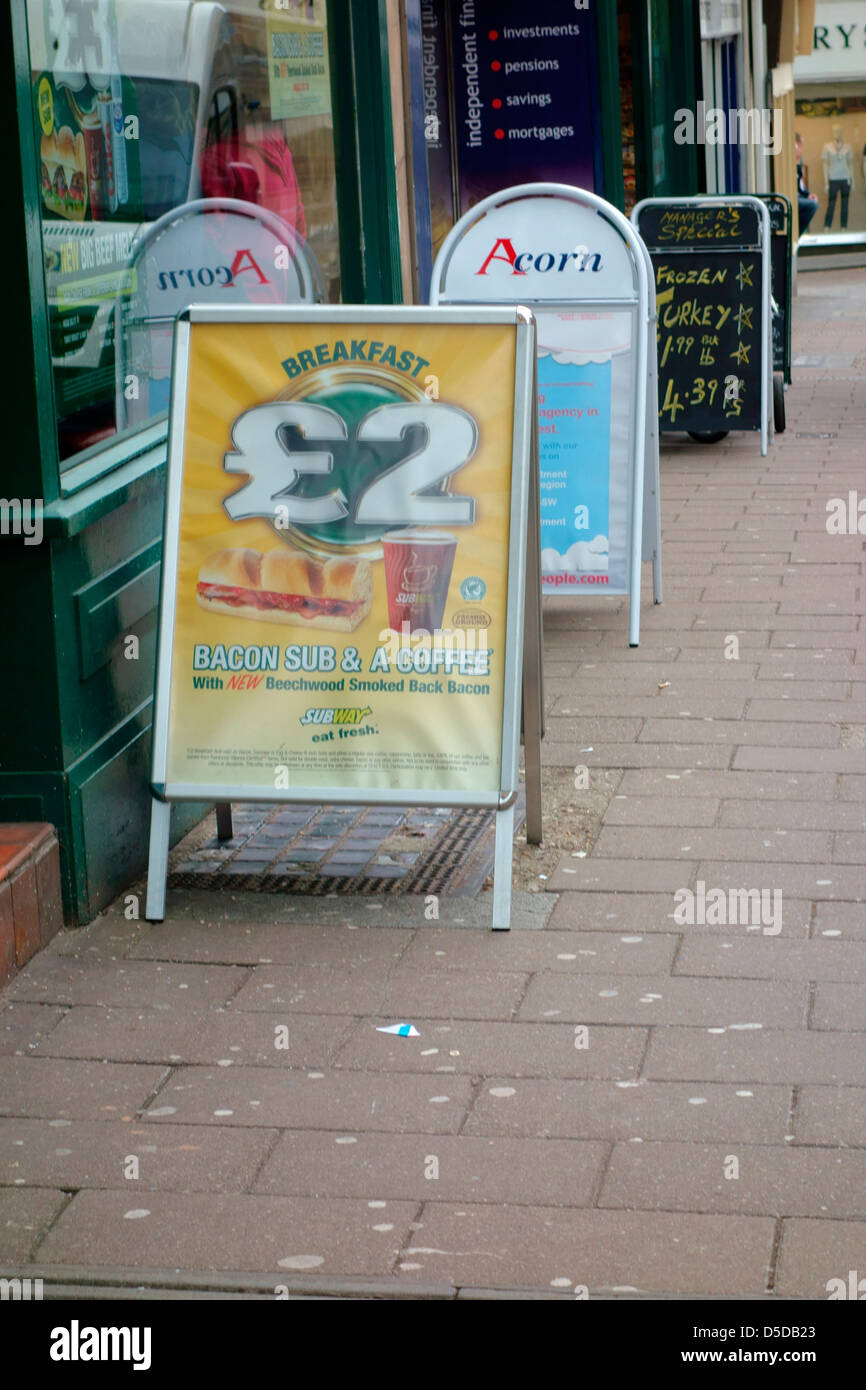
[418, 568]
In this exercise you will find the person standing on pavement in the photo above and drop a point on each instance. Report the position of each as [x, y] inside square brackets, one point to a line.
[807, 203]
[838, 160]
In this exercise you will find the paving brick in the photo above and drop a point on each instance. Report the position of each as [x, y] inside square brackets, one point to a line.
[839, 1006]
[758, 733]
[552, 1172]
[840, 920]
[629, 1110]
[626, 755]
[792, 692]
[711, 641]
[619, 875]
[766, 786]
[774, 816]
[23, 1026]
[25, 1213]
[650, 1251]
[814, 1252]
[682, 811]
[831, 1115]
[646, 842]
[849, 849]
[771, 958]
[786, 665]
[51, 980]
[202, 1231]
[592, 730]
[797, 1057]
[452, 993]
[60, 1089]
[301, 944]
[110, 936]
[580, 703]
[225, 1037]
[568, 953]
[658, 1000]
[170, 1157]
[792, 880]
[697, 670]
[294, 1099]
[339, 991]
[801, 639]
[769, 1180]
[652, 912]
[837, 712]
[545, 1049]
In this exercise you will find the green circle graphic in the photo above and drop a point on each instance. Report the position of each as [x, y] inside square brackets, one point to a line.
[356, 463]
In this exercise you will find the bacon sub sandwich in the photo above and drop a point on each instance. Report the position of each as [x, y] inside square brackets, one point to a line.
[286, 586]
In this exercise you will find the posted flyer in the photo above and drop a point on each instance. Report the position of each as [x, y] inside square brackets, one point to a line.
[342, 575]
[584, 362]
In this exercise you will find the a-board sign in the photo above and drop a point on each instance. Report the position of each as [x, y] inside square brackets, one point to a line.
[779, 208]
[578, 264]
[344, 560]
[711, 263]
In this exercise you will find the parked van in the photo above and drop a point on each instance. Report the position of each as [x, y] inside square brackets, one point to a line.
[143, 107]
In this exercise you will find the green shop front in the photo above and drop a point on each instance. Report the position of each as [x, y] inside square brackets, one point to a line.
[126, 110]
[362, 129]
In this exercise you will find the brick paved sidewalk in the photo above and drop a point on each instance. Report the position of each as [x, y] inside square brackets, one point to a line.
[709, 1138]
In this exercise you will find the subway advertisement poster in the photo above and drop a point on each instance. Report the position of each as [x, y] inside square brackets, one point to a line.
[342, 557]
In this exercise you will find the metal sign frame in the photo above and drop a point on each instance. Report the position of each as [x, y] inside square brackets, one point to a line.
[644, 521]
[735, 200]
[785, 308]
[304, 264]
[503, 798]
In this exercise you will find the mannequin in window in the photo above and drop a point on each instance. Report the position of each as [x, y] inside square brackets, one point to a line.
[838, 159]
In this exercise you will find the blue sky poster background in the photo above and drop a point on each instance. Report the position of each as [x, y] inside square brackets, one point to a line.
[574, 451]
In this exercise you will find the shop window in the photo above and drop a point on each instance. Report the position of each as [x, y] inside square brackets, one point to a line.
[143, 107]
[833, 128]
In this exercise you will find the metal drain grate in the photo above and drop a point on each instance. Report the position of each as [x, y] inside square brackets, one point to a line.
[452, 853]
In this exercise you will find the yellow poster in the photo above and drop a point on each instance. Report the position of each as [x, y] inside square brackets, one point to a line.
[298, 75]
[342, 575]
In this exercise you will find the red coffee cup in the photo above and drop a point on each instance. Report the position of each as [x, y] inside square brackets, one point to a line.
[418, 568]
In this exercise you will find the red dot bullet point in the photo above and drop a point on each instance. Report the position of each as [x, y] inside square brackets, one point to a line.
[500, 134]
[496, 65]
[496, 103]
[494, 35]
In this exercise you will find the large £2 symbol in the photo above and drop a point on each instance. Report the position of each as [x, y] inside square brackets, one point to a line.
[274, 469]
[390, 499]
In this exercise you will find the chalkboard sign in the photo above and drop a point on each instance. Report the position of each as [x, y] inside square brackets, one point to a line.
[779, 209]
[687, 227]
[708, 260]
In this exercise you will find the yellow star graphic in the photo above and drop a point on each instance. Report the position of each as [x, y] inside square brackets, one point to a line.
[744, 276]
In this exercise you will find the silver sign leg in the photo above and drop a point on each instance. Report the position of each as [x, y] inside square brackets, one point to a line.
[157, 863]
[533, 689]
[502, 869]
